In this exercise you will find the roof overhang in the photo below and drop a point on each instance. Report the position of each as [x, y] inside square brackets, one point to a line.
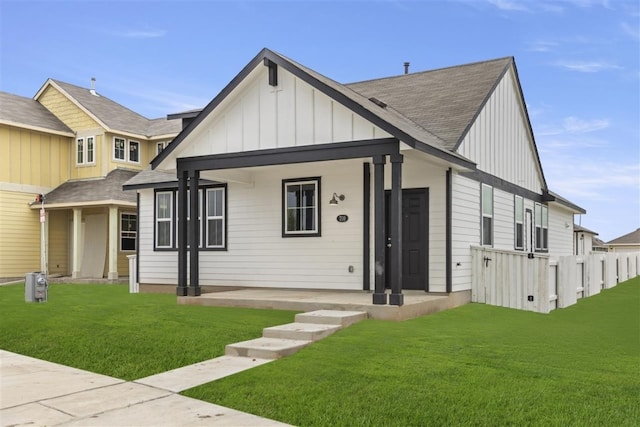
[92, 204]
[37, 128]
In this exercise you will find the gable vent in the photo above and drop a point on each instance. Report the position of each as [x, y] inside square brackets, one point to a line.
[378, 102]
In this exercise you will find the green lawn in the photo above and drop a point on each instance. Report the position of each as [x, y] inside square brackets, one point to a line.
[104, 329]
[474, 365]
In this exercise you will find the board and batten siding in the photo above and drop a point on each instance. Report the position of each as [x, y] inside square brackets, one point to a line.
[259, 116]
[33, 158]
[19, 234]
[500, 142]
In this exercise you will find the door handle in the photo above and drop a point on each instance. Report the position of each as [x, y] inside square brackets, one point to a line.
[388, 245]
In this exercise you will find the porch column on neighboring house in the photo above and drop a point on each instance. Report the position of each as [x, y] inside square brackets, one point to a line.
[183, 177]
[112, 255]
[77, 241]
[379, 295]
[395, 230]
[194, 235]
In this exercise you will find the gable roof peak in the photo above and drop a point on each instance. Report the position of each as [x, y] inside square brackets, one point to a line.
[111, 115]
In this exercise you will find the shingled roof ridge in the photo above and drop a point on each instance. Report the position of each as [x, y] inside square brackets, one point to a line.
[470, 64]
[143, 122]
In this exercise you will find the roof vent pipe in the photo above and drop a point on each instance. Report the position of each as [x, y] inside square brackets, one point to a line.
[93, 87]
[406, 67]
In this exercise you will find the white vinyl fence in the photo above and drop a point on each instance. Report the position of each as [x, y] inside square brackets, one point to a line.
[538, 283]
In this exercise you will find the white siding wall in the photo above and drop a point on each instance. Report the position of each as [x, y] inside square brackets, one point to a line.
[259, 116]
[259, 256]
[499, 141]
[257, 253]
[560, 231]
[465, 232]
[503, 220]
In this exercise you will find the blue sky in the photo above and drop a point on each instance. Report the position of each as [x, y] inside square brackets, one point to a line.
[578, 62]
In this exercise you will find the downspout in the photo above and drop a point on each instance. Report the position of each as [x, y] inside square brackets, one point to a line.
[448, 253]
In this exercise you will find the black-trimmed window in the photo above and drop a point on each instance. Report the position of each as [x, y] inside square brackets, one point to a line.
[128, 231]
[300, 207]
[487, 215]
[212, 201]
[164, 219]
[518, 222]
[541, 219]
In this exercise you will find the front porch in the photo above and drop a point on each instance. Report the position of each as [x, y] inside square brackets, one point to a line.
[416, 303]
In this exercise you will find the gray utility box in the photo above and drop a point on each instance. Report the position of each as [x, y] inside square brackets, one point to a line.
[36, 288]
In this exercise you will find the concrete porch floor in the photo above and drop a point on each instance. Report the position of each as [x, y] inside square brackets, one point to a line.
[416, 303]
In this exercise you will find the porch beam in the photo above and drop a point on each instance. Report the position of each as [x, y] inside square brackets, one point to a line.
[395, 230]
[194, 274]
[291, 155]
[379, 295]
[183, 178]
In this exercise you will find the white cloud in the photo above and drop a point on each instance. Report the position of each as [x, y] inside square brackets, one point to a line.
[573, 125]
[591, 179]
[542, 46]
[509, 5]
[631, 30]
[587, 66]
[144, 34]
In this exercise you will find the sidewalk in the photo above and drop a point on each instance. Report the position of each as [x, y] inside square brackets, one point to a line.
[39, 393]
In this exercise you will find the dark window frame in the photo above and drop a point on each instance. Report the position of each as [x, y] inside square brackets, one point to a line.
[131, 234]
[318, 212]
[518, 233]
[174, 219]
[491, 216]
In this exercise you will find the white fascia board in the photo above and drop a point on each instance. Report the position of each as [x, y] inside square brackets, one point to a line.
[109, 202]
[37, 128]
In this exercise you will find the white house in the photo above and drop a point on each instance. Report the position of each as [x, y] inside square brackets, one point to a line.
[303, 182]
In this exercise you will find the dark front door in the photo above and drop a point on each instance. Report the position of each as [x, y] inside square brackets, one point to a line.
[415, 238]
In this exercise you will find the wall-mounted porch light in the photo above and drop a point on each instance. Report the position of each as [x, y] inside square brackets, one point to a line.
[335, 198]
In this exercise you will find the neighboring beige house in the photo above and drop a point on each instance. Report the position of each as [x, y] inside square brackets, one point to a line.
[583, 240]
[77, 148]
[630, 242]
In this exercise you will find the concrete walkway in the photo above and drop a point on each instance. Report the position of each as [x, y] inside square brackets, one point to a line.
[38, 393]
[35, 392]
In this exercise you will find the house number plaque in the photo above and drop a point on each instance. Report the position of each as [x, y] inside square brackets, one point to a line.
[342, 218]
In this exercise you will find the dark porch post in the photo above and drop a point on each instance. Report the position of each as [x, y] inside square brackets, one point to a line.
[183, 177]
[379, 295]
[194, 282]
[395, 230]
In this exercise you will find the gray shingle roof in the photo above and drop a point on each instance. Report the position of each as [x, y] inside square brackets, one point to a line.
[149, 177]
[20, 110]
[94, 190]
[443, 101]
[632, 238]
[116, 117]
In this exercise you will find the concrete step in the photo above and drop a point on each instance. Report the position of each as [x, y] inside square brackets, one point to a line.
[331, 317]
[300, 331]
[265, 348]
